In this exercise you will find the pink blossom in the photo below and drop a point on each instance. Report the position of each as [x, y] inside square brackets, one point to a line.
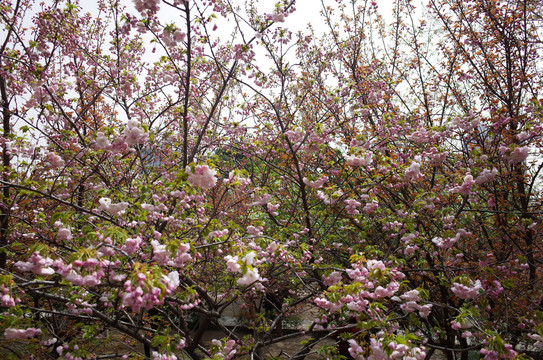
[408, 238]
[412, 295]
[444, 243]
[7, 300]
[48, 342]
[114, 209]
[317, 184]
[238, 181]
[54, 160]
[64, 234]
[449, 242]
[181, 345]
[218, 233]
[179, 36]
[13, 334]
[413, 171]
[523, 136]
[147, 293]
[411, 298]
[333, 278]
[495, 288]
[134, 134]
[296, 135]
[249, 277]
[375, 265]
[160, 254]
[410, 249]
[201, 119]
[119, 145]
[467, 123]
[371, 206]
[356, 351]
[181, 257]
[163, 256]
[88, 280]
[102, 141]
[36, 264]
[325, 304]
[148, 207]
[160, 356]
[435, 157]
[358, 306]
[506, 353]
[461, 324]
[466, 292]
[232, 263]
[278, 17]
[131, 245]
[382, 292]
[363, 160]
[424, 310]
[249, 258]
[251, 274]
[272, 208]
[486, 176]
[272, 247]
[351, 205]
[399, 351]
[203, 176]
[150, 5]
[172, 280]
[465, 188]
[519, 155]
[420, 136]
[255, 231]
[260, 200]
[378, 352]
[329, 199]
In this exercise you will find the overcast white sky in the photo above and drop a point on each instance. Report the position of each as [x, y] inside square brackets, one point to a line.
[309, 11]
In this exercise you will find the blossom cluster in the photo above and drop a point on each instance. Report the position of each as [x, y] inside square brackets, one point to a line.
[134, 134]
[467, 292]
[113, 208]
[37, 264]
[12, 333]
[148, 291]
[466, 186]
[102, 141]
[54, 160]
[316, 184]
[155, 355]
[224, 351]
[379, 351]
[147, 5]
[363, 159]
[245, 266]
[88, 272]
[203, 176]
[410, 304]
[163, 256]
[235, 179]
[449, 242]
[6, 298]
[371, 275]
[506, 353]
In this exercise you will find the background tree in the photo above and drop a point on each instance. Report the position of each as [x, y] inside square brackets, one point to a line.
[383, 178]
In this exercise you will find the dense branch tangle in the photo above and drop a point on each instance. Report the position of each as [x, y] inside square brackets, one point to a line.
[183, 169]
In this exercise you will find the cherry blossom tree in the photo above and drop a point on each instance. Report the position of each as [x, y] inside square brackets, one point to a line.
[169, 165]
